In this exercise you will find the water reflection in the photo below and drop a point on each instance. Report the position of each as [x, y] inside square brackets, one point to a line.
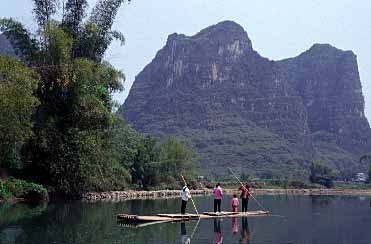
[218, 238]
[322, 201]
[185, 239]
[245, 233]
[320, 220]
[235, 225]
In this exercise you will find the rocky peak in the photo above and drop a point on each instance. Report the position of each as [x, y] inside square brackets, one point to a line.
[225, 32]
[326, 49]
[215, 90]
[224, 38]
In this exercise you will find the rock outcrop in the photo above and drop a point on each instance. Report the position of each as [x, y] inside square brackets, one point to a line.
[246, 111]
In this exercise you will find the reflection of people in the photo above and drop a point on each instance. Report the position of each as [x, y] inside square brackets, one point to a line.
[183, 232]
[218, 195]
[218, 238]
[245, 234]
[245, 194]
[235, 203]
[184, 194]
[234, 225]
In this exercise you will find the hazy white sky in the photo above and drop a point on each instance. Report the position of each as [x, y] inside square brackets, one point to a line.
[278, 29]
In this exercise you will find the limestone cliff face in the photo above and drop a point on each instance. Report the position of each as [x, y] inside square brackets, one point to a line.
[259, 113]
[328, 82]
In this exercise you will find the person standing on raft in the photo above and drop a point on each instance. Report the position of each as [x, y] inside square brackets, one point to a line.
[218, 195]
[185, 195]
[235, 203]
[245, 194]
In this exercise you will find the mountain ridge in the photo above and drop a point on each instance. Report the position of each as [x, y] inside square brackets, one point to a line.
[310, 107]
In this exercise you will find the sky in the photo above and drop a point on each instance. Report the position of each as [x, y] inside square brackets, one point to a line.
[277, 29]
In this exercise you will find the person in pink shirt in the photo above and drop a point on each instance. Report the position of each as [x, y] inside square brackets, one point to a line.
[218, 195]
[235, 203]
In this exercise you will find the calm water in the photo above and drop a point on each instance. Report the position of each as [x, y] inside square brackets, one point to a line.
[296, 219]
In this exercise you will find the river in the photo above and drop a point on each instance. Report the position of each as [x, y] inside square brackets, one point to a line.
[294, 219]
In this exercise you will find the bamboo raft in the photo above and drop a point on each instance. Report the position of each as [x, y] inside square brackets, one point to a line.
[142, 220]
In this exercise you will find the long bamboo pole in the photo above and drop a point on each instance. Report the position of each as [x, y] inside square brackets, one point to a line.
[194, 205]
[245, 188]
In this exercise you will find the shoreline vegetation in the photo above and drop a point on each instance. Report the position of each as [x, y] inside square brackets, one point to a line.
[15, 190]
[117, 196]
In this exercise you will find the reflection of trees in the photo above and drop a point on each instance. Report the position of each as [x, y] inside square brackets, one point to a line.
[79, 222]
[12, 213]
[318, 201]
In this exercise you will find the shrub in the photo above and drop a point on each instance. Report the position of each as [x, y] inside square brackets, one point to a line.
[297, 185]
[15, 188]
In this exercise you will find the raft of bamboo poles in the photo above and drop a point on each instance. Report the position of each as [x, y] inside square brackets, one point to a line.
[163, 218]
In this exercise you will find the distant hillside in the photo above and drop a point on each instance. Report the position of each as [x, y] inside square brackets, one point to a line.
[246, 111]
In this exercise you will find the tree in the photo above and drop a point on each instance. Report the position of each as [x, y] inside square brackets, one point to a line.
[346, 175]
[142, 170]
[17, 103]
[176, 158]
[73, 122]
[366, 159]
[155, 164]
[321, 174]
[245, 176]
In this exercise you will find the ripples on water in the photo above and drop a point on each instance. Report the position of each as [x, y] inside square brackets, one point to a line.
[295, 219]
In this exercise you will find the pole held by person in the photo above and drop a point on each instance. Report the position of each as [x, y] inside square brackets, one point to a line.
[190, 196]
[260, 205]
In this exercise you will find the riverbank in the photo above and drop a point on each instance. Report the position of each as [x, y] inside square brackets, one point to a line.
[116, 196]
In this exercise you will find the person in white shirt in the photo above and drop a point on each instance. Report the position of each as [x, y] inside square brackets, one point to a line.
[185, 195]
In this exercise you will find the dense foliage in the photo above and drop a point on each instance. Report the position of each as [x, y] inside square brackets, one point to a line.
[11, 188]
[321, 174]
[164, 163]
[17, 84]
[77, 143]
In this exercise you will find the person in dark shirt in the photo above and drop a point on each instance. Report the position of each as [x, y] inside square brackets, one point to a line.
[245, 194]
